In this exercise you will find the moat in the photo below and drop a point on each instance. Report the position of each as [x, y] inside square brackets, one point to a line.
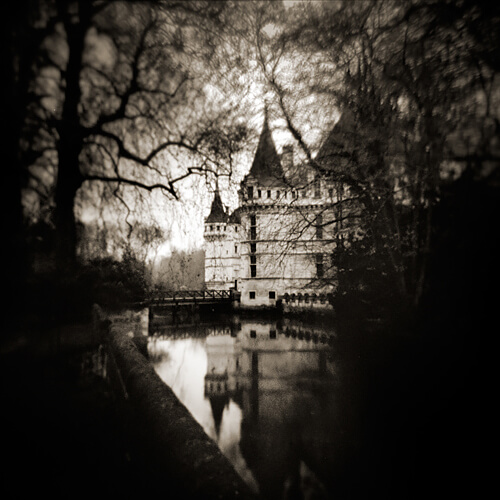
[300, 409]
[264, 390]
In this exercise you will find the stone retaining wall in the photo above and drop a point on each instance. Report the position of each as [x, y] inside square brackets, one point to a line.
[173, 454]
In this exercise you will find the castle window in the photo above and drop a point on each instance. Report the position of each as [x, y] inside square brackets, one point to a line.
[250, 191]
[236, 229]
[272, 334]
[235, 248]
[253, 333]
[319, 265]
[253, 266]
[277, 194]
[253, 227]
[259, 193]
[330, 193]
[272, 295]
[251, 295]
[269, 193]
[218, 228]
[211, 228]
[319, 227]
[253, 247]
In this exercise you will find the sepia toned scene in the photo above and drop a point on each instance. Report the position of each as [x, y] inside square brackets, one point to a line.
[250, 248]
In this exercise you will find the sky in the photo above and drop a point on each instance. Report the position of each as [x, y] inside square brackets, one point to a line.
[183, 221]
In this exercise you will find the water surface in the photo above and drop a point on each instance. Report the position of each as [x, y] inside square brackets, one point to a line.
[265, 391]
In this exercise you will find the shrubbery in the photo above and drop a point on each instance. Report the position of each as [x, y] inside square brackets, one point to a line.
[58, 295]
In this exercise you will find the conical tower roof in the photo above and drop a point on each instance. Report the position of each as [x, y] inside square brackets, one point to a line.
[266, 166]
[218, 403]
[335, 149]
[217, 212]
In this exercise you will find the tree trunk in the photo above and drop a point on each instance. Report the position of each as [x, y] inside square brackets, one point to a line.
[17, 54]
[69, 146]
[68, 182]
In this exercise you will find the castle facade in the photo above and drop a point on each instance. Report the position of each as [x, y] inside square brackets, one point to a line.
[278, 244]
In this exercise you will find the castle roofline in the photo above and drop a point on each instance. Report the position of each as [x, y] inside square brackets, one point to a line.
[217, 211]
[266, 167]
[235, 217]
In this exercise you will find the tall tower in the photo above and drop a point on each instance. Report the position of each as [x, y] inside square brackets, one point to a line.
[222, 247]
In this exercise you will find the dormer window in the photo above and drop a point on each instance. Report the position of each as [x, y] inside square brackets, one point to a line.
[317, 188]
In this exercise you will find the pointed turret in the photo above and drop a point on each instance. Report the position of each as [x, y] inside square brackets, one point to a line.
[217, 212]
[334, 151]
[218, 403]
[266, 167]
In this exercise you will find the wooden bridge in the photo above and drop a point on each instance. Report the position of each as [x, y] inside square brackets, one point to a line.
[187, 297]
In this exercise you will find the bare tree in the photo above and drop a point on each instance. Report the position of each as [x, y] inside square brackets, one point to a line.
[404, 76]
[120, 100]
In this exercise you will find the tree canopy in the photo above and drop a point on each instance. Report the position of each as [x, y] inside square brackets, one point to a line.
[111, 101]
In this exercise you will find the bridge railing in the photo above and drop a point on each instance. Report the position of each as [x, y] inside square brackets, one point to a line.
[192, 296]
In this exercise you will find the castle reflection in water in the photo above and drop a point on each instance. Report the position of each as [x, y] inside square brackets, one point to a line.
[264, 391]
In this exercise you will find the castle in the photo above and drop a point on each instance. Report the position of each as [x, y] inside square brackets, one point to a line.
[277, 245]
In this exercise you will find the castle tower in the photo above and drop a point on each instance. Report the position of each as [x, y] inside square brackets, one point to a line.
[222, 377]
[222, 247]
